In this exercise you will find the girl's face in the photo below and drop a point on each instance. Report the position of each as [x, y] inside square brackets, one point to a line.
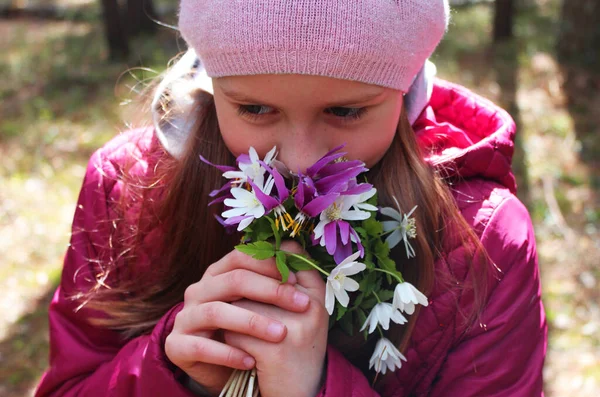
[306, 116]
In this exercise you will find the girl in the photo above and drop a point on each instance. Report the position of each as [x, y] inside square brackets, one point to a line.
[154, 301]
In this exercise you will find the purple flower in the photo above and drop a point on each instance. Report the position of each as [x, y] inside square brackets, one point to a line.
[309, 204]
[275, 203]
[331, 174]
[333, 219]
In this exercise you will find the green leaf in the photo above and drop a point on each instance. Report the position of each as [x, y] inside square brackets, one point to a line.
[346, 323]
[367, 284]
[385, 295]
[263, 232]
[298, 264]
[382, 250]
[362, 232]
[341, 310]
[359, 299]
[387, 264]
[258, 250]
[276, 233]
[282, 266]
[372, 226]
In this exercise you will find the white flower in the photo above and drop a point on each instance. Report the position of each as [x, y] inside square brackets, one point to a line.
[382, 313]
[406, 296]
[252, 170]
[362, 205]
[403, 227]
[338, 282]
[339, 210]
[246, 204]
[386, 356]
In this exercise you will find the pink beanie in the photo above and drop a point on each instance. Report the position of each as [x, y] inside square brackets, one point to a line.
[381, 42]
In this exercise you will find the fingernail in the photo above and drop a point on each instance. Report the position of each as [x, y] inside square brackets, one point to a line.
[300, 299]
[248, 362]
[275, 330]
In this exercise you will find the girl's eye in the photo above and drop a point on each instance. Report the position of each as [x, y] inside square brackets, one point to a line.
[349, 114]
[345, 114]
[253, 111]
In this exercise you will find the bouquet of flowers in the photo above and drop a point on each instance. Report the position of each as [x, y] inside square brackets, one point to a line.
[331, 211]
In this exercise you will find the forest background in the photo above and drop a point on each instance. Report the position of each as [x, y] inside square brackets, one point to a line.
[70, 71]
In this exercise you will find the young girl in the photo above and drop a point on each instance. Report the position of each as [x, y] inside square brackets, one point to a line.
[154, 300]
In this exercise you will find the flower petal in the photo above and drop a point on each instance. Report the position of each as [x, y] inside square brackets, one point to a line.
[342, 296]
[393, 239]
[318, 205]
[350, 285]
[350, 259]
[330, 237]
[344, 231]
[329, 298]
[352, 268]
[392, 213]
[245, 223]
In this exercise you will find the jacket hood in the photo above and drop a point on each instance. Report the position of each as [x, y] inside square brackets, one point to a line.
[465, 135]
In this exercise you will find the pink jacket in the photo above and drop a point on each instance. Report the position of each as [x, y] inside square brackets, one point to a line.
[503, 356]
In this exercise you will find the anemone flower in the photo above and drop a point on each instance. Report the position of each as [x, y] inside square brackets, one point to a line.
[334, 218]
[309, 204]
[274, 202]
[250, 167]
[402, 228]
[245, 205]
[381, 314]
[338, 282]
[406, 296]
[386, 356]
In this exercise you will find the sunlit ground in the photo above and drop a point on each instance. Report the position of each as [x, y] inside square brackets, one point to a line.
[59, 100]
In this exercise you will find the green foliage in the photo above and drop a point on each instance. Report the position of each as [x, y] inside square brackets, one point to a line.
[258, 250]
[298, 264]
[280, 260]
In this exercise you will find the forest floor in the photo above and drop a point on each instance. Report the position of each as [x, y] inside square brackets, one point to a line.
[60, 99]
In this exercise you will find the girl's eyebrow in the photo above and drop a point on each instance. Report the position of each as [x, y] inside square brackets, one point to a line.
[241, 97]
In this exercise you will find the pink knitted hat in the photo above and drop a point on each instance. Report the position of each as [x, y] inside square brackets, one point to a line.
[381, 42]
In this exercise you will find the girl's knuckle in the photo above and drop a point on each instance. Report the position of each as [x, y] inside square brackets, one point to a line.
[236, 278]
[283, 292]
[189, 293]
[211, 312]
[254, 322]
[199, 349]
[231, 358]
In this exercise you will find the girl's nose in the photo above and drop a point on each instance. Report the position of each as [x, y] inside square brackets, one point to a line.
[301, 149]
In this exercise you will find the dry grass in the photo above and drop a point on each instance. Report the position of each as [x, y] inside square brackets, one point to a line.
[60, 101]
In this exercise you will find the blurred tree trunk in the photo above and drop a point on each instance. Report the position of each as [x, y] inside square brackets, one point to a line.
[579, 34]
[116, 35]
[503, 20]
[139, 17]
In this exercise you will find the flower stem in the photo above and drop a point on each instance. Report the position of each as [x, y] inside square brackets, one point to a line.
[308, 262]
[377, 297]
[396, 276]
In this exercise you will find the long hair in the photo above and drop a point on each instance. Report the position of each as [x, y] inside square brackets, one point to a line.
[172, 202]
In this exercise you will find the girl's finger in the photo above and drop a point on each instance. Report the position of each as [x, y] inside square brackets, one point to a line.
[238, 260]
[220, 315]
[241, 283]
[312, 281]
[186, 350]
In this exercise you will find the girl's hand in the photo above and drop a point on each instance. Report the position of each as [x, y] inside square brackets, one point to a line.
[197, 347]
[294, 366]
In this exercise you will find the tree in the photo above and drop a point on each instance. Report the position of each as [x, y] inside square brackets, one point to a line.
[116, 36]
[579, 34]
[503, 20]
[120, 25]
